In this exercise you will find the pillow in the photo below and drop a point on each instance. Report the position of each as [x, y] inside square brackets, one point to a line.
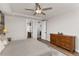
[5, 42]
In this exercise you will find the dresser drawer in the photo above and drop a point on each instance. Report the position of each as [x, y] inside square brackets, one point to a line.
[64, 41]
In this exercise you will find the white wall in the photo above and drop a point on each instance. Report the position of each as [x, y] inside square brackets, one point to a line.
[67, 23]
[16, 27]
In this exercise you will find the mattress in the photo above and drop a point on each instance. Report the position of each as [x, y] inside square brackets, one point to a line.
[28, 47]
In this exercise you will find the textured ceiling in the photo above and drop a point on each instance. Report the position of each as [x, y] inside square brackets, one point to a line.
[58, 8]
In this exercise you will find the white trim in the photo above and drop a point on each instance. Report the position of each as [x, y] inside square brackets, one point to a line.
[22, 15]
[77, 50]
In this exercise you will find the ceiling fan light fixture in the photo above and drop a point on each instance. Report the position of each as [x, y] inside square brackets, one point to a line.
[38, 11]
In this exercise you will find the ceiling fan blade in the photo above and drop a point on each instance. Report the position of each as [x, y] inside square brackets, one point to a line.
[35, 13]
[44, 9]
[29, 9]
[43, 13]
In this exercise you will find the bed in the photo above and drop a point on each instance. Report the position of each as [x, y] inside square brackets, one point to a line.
[28, 47]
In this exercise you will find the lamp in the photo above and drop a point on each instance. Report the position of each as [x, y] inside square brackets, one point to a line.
[5, 41]
[5, 30]
[38, 11]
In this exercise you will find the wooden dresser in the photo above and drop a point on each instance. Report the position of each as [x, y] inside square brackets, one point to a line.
[63, 41]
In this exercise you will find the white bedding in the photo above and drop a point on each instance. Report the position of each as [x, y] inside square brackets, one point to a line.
[28, 47]
[1, 46]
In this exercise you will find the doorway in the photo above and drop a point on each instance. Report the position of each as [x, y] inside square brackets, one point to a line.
[29, 29]
[39, 30]
[42, 30]
[36, 29]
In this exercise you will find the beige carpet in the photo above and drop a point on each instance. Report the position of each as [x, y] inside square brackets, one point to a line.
[28, 47]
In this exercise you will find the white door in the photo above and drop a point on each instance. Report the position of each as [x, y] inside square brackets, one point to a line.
[44, 30]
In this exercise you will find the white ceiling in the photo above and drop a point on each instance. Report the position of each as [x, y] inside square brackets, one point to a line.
[58, 8]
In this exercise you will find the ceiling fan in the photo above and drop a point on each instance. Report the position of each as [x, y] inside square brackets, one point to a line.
[38, 9]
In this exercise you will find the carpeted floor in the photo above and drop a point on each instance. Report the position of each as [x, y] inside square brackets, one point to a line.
[19, 46]
[58, 50]
[29, 47]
